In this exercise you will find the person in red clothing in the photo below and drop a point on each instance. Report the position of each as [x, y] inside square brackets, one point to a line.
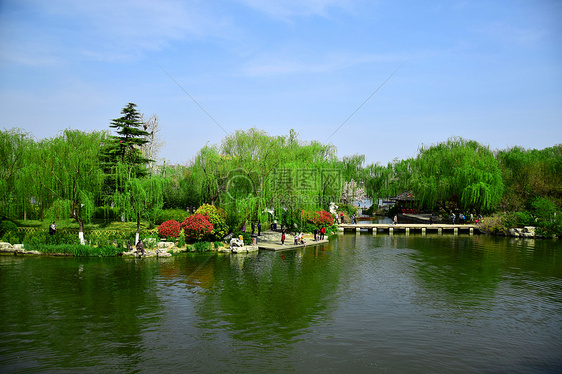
[341, 216]
[322, 232]
[283, 237]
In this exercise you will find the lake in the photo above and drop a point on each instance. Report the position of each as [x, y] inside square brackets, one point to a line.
[362, 303]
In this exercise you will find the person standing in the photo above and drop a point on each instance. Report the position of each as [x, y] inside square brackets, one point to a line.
[259, 228]
[353, 219]
[283, 237]
[395, 221]
[322, 232]
[253, 227]
[53, 228]
[341, 216]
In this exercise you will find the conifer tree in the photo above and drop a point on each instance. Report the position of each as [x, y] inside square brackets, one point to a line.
[125, 148]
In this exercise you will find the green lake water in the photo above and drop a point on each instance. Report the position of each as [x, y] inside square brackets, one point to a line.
[363, 303]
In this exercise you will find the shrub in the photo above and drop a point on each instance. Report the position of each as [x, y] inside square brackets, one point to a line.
[217, 217]
[202, 246]
[106, 213]
[7, 226]
[181, 238]
[347, 209]
[197, 227]
[171, 214]
[169, 229]
[316, 219]
[44, 238]
[77, 250]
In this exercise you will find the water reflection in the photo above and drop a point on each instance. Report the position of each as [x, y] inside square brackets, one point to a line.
[398, 303]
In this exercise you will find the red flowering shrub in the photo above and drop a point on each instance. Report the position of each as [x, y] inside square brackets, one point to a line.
[169, 229]
[197, 227]
[318, 219]
[217, 217]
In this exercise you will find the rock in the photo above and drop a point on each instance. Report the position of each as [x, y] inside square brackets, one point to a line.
[514, 232]
[529, 230]
[18, 246]
[6, 247]
[164, 255]
[244, 249]
[164, 244]
[148, 241]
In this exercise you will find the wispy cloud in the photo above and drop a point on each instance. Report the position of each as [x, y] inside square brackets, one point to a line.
[285, 8]
[507, 33]
[285, 63]
[105, 29]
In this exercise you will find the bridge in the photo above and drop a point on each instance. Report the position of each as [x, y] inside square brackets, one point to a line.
[407, 228]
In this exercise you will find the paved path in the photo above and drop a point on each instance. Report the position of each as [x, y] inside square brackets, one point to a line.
[271, 241]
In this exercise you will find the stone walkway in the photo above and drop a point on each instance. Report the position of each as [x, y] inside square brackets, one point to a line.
[271, 241]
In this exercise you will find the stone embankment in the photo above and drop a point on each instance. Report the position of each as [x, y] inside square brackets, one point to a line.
[526, 232]
[161, 249]
[16, 249]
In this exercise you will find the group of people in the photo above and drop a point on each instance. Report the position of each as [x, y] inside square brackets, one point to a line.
[464, 218]
[299, 237]
[254, 228]
[353, 218]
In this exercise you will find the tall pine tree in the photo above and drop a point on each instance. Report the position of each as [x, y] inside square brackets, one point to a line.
[124, 149]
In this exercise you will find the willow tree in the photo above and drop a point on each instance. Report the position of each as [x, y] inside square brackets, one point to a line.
[391, 180]
[140, 198]
[459, 174]
[210, 170]
[285, 174]
[529, 174]
[67, 169]
[14, 196]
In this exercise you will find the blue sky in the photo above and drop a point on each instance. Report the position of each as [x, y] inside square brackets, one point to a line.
[490, 70]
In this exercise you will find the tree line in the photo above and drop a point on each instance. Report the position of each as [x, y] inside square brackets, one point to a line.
[253, 176]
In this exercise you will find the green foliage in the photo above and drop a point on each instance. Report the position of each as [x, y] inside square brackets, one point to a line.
[176, 214]
[528, 174]
[59, 211]
[76, 250]
[125, 147]
[202, 246]
[347, 209]
[181, 239]
[14, 149]
[106, 213]
[217, 217]
[7, 226]
[460, 172]
[44, 238]
[66, 169]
